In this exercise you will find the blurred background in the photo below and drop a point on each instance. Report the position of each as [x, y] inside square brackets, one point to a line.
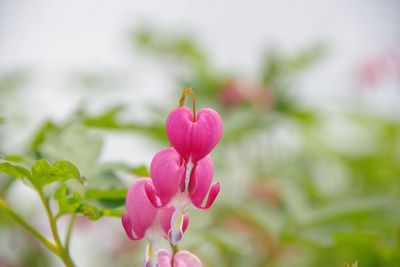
[309, 92]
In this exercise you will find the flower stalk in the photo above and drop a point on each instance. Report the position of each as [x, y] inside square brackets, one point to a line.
[185, 93]
[56, 247]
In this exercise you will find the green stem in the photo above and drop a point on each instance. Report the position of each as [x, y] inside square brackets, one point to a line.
[66, 259]
[69, 232]
[185, 93]
[174, 248]
[47, 243]
[62, 252]
[57, 248]
[51, 218]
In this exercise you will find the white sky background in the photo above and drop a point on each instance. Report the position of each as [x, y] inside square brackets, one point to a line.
[52, 39]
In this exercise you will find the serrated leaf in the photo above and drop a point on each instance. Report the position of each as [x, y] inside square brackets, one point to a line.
[43, 173]
[14, 170]
[67, 202]
[76, 144]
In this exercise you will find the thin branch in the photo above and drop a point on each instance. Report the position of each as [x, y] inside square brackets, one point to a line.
[69, 232]
[62, 252]
[47, 243]
[51, 218]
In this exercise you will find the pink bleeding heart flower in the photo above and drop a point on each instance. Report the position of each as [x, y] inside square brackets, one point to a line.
[167, 171]
[176, 184]
[181, 259]
[194, 137]
[142, 218]
[141, 213]
[170, 184]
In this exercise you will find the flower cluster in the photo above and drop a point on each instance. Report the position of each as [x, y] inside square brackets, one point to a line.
[181, 175]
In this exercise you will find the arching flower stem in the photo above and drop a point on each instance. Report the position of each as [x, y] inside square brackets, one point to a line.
[185, 93]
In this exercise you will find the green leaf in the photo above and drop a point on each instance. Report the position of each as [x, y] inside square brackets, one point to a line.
[72, 202]
[141, 170]
[67, 202]
[76, 144]
[14, 170]
[306, 58]
[12, 80]
[90, 211]
[110, 198]
[114, 194]
[43, 173]
[108, 119]
[112, 213]
[41, 134]
[14, 158]
[2, 203]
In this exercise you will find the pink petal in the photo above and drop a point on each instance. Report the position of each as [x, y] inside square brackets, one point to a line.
[179, 130]
[186, 259]
[140, 210]
[164, 258]
[182, 259]
[194, 139]
[185, 221]
[126, 223]
[200, 182]
[207, 131]
[166, 172]
[165, 216]
[212, 195]
[152, 195]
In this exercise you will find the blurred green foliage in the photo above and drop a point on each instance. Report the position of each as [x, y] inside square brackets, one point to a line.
[295, 190]
[320, 203]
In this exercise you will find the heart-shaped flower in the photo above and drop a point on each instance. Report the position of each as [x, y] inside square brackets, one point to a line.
[177, 184]
[167, 171]
[169, 185]
[194, 136]
[143, 219]
[180, 175]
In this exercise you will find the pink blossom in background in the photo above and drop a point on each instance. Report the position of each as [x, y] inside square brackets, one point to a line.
[378, 68]
[232, 93]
